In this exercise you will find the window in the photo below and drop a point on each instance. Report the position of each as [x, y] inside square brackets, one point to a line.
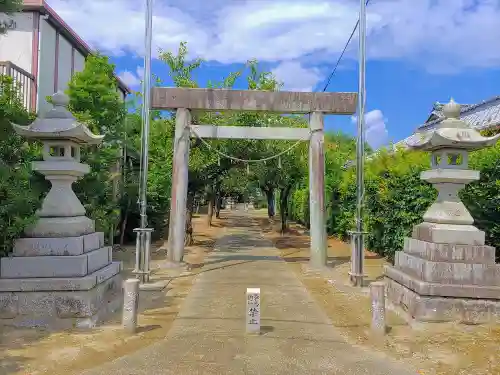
[56, 151]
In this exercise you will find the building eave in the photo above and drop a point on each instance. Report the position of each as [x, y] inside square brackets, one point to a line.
[62, 27]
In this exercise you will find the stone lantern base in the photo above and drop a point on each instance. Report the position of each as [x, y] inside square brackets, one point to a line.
[442, 282]
[59, 282]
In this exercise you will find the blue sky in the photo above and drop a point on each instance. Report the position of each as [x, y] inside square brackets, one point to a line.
[419, 51]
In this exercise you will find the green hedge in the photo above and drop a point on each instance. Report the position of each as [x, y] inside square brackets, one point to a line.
[482, 198]
[396, 198]
[20, 190]
[299, 206]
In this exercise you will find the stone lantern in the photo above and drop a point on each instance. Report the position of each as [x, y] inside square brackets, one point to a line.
[61, 213]
[445, 272]
[447, 220]
[60, 274]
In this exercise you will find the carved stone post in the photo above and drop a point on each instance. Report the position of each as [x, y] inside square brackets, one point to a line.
[178, 202]
[318, 256]
[377, 295]
[130, 305]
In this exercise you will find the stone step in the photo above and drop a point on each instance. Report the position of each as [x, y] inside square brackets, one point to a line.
[55, 266]
[438, 252]
[59, 309]
[448, 233]
[452, 304]
[26, 247]
[448, 272]
[424, 288]
[50, 284]
[57, 227]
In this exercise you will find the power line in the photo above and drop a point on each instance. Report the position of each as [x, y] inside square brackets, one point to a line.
[342, 54]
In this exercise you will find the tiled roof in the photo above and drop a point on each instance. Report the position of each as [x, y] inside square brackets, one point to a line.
[437, 111]
[480, 116]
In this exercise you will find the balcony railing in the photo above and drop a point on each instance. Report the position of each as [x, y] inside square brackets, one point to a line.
[25, 80]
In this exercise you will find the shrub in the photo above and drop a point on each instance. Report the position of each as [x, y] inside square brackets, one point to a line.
[20, 191]
[482, 198]
[396, 198]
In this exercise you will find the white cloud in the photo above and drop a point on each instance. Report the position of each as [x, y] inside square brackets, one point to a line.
[376, 130]
[435, 34]
[132, 79]
[295, 77]
[129, 78]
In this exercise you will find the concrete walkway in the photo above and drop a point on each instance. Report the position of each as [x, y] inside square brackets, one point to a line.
[208, 335]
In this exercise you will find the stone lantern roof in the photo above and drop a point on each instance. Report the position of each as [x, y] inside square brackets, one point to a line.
[451, 133]
[59, 123]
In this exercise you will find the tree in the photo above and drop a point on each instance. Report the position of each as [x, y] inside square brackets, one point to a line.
[20, 190]
[206, 169]
[94, 100]
[7, 7]
[94, 97]
[212, 175]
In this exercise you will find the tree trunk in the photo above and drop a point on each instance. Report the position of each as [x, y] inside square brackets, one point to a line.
[210, 212]
[218, 204]
[124, 223]
[188, 238]
[129, 200]
[211, 202]
[270, 203]
[284, 193]
[282, 210]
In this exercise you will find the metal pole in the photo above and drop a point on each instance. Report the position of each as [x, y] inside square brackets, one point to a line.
[358, 240]
[146, 92]
[142, 247]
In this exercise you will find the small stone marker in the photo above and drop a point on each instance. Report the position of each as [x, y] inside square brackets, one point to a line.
[377, 294]
[253, 310]
[130, 305]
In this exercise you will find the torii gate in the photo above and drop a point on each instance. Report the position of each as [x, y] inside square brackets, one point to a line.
[317, 104]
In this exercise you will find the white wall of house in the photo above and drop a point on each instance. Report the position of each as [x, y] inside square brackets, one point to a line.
[123, 95]
[64, 64]
[47, 62]
[55, 76]
[79, 61]
[16, 45]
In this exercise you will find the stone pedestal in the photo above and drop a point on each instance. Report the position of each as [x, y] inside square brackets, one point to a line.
[59, 282]
[445, 282]
[61, 275]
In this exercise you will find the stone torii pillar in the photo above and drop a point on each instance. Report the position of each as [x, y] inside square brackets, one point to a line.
[317, 104]
[317, 216]
[177, 222]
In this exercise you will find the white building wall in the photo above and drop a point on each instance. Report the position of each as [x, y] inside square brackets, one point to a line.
[79, 61]
[16, 45]
[123, 95]
[47, 56]
[64, 66]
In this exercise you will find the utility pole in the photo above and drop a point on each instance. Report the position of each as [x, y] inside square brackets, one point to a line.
[357, 259]
[143, 233]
